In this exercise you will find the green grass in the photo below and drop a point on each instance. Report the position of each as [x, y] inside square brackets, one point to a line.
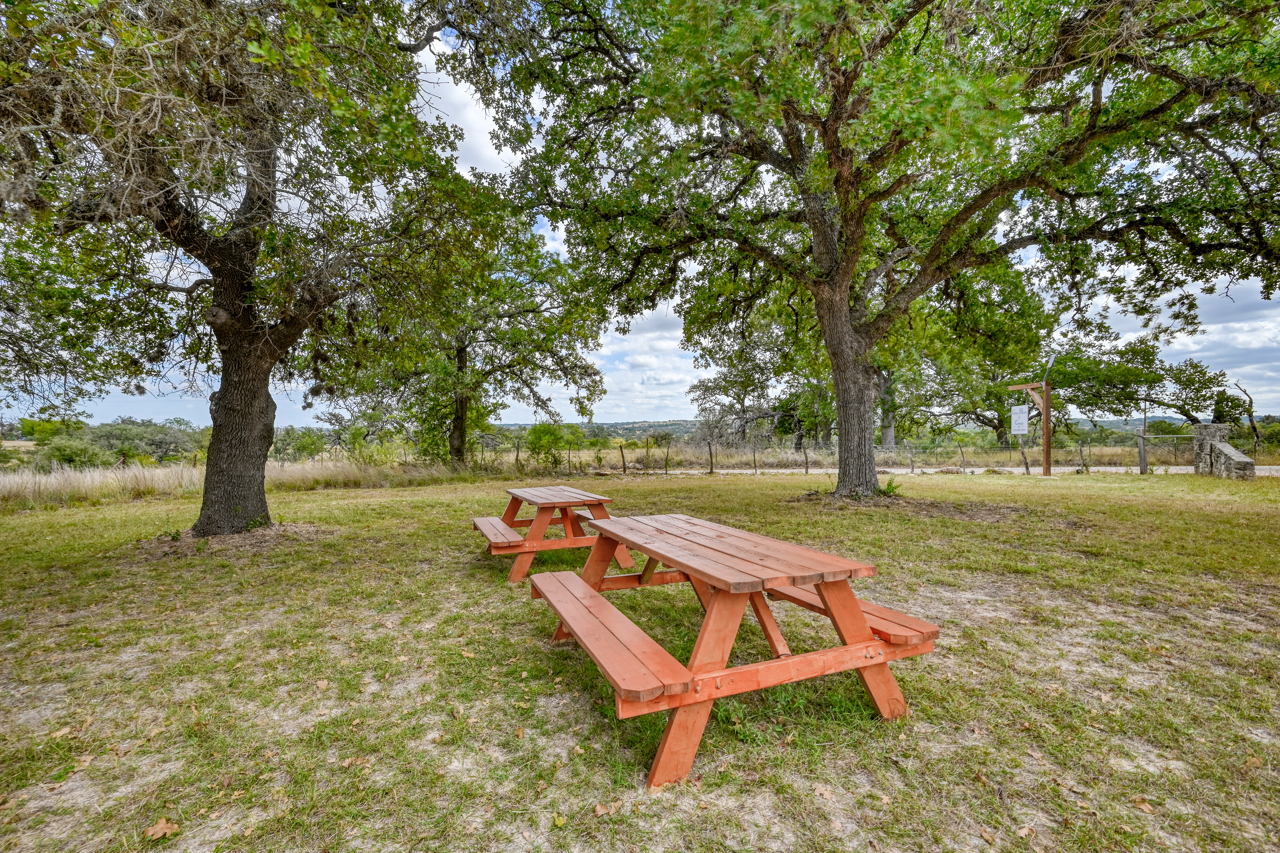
[1104, 639]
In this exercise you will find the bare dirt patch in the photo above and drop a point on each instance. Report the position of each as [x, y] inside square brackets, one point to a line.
[264, 540]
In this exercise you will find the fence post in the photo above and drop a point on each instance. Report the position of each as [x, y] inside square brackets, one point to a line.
[623, 454]
[806, 454]
[711, 459]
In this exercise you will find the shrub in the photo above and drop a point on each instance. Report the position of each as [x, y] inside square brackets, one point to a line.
[76, 453]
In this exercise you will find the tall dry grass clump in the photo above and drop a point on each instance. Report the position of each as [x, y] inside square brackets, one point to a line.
[23, 489]
[27, 489]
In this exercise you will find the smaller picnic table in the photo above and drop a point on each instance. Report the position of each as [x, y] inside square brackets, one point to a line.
[728, 569]
[554, 506]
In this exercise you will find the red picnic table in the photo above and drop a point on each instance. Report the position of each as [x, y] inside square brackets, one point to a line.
[727, 569]
[547, 500]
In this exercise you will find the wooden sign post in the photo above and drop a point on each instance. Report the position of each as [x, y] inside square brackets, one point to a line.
[1046, 424]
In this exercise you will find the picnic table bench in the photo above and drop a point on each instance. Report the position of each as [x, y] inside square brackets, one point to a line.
[728, 569]
[553, 505]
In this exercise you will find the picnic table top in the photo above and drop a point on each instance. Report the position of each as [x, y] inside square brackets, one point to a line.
[725, 557]
[557, 496]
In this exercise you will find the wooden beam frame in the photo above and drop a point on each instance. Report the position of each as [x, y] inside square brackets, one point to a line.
[719, 683]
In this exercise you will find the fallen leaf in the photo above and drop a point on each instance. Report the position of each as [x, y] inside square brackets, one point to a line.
[84, 761]
[63, 732]
[615, 806]
[886, 800]
[601, 810]
[155, 732]
[215, 815]
[1143, 806]
[468, 655]
[402, 658]
[874, 845]
[8, 804]
[163, 828]
[526, 835]
[577, 750]
[836, 826]
[542, 786]
[703, 806]
[824, 792]
[1253, 762]
[323, 684]
[987, 836]
[389, 625]
[560, 820]
[520, 734]
[980, 778]
[1027, 832]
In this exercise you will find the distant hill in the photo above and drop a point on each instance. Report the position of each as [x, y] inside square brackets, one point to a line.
[639, 429]
[1130, 424]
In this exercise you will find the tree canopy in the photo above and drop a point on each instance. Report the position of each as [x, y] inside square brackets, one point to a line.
[250, 167]
[869, 153]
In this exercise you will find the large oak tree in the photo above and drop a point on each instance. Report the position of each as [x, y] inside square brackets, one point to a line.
[872, 151]
[240, 159]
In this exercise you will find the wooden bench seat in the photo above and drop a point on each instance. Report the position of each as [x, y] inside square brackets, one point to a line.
[889, 625]
[497, 531]
[638, 668]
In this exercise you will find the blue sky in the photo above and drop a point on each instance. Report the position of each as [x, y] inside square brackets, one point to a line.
[646, 372]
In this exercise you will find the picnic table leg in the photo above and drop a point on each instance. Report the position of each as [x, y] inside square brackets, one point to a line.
[846, 614]
[679, 745]
[624, 556]
[537, 530]
[512, 510]
[572, 526]
[772, 633]
[592, 573]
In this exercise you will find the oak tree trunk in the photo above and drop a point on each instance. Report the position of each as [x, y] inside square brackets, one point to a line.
[244, 420]
[458, 429]
[856, 390]
[458, 426]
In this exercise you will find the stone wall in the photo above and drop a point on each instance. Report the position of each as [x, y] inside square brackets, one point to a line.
[1215, 457]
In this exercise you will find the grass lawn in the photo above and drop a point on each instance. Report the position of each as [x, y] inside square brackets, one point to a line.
[361, 678]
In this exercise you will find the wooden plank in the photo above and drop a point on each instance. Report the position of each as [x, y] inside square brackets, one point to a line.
[837, 566]
[613, 582]
[803, 597]
[540, 497]
[650, 566]
[909, 625]
[619, 665]
[754, 558]
[889, 625]
[673, 674]
[718, 684]
[1026, 386]
[557, 496]
[496, 532]
[671, 553]
[545, 545]
[587, 497]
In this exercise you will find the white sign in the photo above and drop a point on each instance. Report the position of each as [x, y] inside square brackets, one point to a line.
[1019, 420]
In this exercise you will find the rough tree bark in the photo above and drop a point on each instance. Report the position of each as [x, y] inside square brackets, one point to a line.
[855, 392]
[244, 418]
[888, 410]
[461, 402]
